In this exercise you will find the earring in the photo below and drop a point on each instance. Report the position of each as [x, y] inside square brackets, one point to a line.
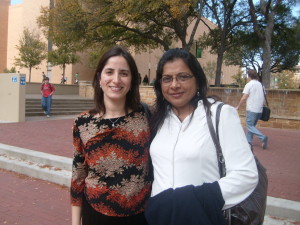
[198, 93]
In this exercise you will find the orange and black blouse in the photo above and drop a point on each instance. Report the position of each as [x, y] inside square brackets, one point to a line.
[111, 163]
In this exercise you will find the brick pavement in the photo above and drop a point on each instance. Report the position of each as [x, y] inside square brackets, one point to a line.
[50, 136]
[29, 201]
[281, 158]
[23, 198]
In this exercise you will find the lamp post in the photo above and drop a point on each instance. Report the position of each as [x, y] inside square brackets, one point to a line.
[49, 66]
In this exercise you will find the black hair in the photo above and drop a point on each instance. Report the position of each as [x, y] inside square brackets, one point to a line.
[161, 106]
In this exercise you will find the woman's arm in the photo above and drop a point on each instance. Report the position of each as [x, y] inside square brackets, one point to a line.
[76, 215]
[78, 176]
[241, 170]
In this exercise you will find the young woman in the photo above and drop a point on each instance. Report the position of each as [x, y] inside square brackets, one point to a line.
[110, 181]
[187, 188]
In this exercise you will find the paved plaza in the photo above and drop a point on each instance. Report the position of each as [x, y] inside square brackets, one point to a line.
[30, 201]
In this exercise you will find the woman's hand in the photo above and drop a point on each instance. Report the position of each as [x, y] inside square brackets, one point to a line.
[76, 215]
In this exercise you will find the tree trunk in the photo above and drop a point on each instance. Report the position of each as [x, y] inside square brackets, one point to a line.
[219, 69]
[266, 63]
[265, 34]
[64, 69]
[221, 51]
[267, 49]
[29, 74]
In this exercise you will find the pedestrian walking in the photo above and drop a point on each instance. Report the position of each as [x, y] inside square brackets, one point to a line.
[253, 95]
[76, 78]
[47, 90]
[43, 76]
[111, 181]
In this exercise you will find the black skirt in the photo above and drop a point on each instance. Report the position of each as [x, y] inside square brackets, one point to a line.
[92, 217]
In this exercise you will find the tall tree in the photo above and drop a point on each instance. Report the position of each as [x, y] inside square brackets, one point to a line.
[263, 19]
[285, 48]
[229, 16]
[31, 51]
[141, 24]
[62, 56]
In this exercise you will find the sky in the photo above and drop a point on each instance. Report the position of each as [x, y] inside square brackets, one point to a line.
[12, 2]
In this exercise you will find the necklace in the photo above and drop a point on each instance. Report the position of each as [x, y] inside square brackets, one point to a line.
[113, 122]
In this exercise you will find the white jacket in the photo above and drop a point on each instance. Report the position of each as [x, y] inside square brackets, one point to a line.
[183, 153]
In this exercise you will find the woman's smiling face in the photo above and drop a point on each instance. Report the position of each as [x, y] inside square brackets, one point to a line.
[178, 93]
[116, 79]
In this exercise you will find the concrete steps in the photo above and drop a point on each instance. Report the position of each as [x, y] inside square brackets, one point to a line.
[59, 106]
[53, 168]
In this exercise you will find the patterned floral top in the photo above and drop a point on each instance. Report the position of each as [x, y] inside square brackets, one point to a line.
[111, 163]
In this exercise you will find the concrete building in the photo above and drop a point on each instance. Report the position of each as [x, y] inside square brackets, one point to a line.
[4, 5]
[14, 18]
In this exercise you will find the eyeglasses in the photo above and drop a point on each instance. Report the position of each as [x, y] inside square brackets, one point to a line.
[181, 78]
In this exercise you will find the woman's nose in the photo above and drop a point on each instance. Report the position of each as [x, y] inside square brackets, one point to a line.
[174, 83]
[116, 78]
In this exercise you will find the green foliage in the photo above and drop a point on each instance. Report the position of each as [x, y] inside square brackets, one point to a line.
[62, 56]
[31, 51]
[286, 80]
[11, 70]
[265, 16]
[240, 79]
[142, 24]
[285, 49]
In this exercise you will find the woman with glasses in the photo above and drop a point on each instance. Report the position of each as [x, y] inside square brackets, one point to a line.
[187, 188]
[110, 181]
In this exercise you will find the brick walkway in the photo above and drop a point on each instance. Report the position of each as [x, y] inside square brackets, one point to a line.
[29, 201]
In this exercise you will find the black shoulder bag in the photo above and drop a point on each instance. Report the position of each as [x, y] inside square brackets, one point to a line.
[265, 116]
[251, 211]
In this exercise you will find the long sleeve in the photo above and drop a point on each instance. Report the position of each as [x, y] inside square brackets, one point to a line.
[79, 170]
[241, 171]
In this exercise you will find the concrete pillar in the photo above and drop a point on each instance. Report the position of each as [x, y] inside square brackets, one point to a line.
[12, 97]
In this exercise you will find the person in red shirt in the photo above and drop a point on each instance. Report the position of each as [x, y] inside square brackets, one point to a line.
[47, 91]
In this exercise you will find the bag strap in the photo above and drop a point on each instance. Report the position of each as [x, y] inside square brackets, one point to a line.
[215, 136]
[265, 94]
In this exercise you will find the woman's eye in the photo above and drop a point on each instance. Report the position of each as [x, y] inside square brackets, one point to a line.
[124, 74]
[183, 77]
[166, 79]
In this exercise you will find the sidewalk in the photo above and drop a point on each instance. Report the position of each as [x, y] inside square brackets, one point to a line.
[32, 201]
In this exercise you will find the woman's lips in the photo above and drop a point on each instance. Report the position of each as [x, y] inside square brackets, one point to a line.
[177, 95]
[116, 89]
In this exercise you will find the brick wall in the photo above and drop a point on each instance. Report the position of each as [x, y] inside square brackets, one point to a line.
[284, 104]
